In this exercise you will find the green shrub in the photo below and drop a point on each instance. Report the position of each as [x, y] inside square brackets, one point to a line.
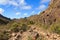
[4, 36]
[40, 38]
[56, 28]
[31, 22]
[29, 38]
[24, 27]
[15, 27]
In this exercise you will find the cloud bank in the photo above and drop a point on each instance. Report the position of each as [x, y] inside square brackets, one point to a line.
[19, 3]
[1, 10]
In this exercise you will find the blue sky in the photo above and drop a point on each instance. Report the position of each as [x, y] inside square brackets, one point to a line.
[22, 8]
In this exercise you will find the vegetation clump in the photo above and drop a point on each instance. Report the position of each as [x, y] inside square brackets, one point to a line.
[4, 35]
[56, 28]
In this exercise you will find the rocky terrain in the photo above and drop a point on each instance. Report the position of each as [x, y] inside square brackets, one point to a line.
[45, 26]
[34, 33]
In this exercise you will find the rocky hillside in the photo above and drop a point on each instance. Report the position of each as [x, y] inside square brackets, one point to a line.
[50, 15]
[4, 20]
[45, 26]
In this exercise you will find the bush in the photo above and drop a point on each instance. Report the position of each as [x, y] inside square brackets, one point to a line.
[56, 28]
[39, 38]
[4, 36]
[24, 27]
[31, 22]
[29, 38]
[15, 27]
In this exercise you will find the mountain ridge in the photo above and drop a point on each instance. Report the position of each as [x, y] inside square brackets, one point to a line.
[4, 20]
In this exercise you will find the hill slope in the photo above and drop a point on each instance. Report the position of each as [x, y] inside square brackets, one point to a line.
[4, 20]
[50, 15]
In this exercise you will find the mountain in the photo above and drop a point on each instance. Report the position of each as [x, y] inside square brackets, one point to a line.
[45, 26]
[4, 20]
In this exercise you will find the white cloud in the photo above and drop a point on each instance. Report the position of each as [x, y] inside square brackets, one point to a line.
[23, 5]
[18, 13]
[42, 7]
[14, 3]
[1, 10]
[19, 3]
[38, 13]
[26, 7]
[32, 12]
[45, 1]
[25, 14]
[4, 2]
[9, 2]
[22, 2]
